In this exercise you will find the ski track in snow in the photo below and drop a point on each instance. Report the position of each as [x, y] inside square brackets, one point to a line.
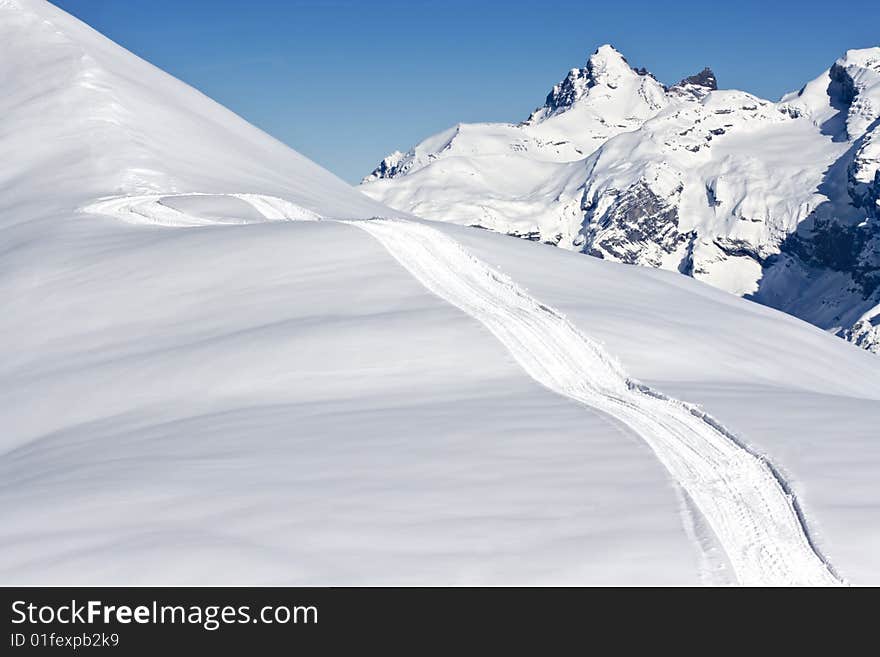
[743, 500]
[748, 506]
[148, 209]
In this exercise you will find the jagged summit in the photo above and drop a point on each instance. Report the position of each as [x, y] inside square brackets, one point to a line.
[705, 78]
[607, 64]
[695, 86]
[606, 68]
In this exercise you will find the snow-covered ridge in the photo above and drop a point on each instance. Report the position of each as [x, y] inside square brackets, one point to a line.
[90, 119]
[775, 201]
[590, 105]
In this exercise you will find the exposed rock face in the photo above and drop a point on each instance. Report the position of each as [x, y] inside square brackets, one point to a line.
[863, 174]
[391, 166]
[779, 202]
[637, 226]
[837, 247]
[705, 78]
[847, 90]
[567, 92]
[874, 195]
[865, 333]
[696, 85]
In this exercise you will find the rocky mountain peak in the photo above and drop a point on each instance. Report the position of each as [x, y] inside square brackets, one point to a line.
[695, 86]
[606, 67]
[705, 78]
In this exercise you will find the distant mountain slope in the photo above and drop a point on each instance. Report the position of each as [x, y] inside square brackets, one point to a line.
[774, 201]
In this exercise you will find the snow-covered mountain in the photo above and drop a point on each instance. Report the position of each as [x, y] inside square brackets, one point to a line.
[777, 202]
[86, 119]
[220, 364]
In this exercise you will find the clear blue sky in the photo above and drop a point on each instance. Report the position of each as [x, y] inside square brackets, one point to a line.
[345, 81]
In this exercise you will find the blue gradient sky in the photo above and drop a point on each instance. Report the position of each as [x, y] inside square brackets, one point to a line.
[346, 82]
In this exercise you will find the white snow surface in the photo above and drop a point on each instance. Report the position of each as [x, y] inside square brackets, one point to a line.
[205, 380]
[744, 502]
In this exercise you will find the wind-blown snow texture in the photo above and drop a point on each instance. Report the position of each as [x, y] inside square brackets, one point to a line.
[777, 202]
[204, 380]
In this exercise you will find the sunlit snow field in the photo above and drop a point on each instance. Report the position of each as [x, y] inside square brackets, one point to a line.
[278, 401]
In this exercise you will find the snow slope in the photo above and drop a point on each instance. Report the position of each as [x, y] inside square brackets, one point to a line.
[790, 392]
[89, 119]
[745, 503]
[774, 201]
[205, 379]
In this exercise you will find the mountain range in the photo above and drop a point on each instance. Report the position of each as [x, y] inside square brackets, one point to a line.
[778, 202]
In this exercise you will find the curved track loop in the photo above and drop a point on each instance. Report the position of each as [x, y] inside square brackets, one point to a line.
[150, 209]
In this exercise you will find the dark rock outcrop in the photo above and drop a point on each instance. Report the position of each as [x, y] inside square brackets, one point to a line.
[639, 227]
[705, 78]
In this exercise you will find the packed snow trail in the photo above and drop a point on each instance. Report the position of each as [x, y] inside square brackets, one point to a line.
[748, 507]
[753, 516]
[153, 209]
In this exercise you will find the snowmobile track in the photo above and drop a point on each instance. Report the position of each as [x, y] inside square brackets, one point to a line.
[748, 506]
